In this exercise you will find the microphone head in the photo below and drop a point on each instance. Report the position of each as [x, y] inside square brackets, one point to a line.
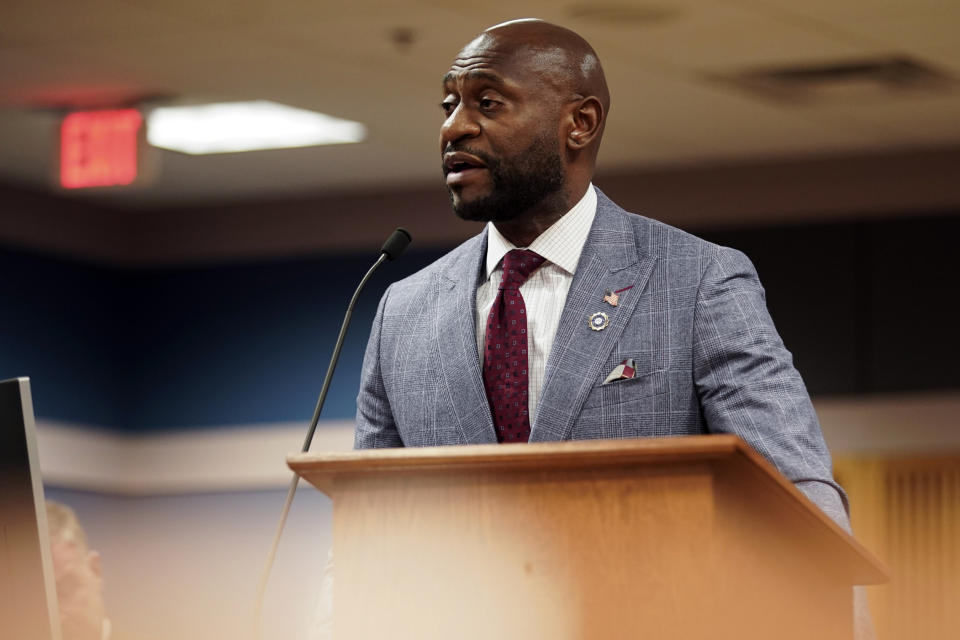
[396, 243]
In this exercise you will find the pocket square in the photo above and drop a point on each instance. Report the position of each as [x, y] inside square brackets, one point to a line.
[623, 371]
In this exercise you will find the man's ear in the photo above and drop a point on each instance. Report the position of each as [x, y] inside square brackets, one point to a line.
[587, 118]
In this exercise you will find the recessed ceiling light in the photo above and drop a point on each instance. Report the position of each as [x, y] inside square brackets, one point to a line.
[864, 79]
[228, 127]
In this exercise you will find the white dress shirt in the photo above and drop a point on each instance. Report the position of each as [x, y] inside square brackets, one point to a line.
[545, 292]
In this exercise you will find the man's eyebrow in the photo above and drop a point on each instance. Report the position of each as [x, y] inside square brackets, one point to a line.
[473, 74]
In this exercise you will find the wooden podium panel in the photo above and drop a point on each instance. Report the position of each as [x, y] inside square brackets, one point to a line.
[694, 537]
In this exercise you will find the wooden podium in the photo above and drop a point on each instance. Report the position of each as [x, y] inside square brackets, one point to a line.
[692, 537]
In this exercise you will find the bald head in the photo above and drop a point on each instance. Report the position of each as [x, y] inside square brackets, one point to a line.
[558, 51]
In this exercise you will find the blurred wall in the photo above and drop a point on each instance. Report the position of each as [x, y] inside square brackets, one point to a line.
[908, 513]
[187, 566]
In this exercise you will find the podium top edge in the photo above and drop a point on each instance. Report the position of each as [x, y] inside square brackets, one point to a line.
[560, 454]
[322, 468]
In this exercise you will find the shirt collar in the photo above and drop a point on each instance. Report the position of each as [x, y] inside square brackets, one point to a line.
[562, 243]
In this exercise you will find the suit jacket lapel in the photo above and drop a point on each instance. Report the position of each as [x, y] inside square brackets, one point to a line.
[459, 360]
[610, 261]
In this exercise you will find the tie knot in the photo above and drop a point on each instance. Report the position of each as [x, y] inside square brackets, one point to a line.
[518, 264]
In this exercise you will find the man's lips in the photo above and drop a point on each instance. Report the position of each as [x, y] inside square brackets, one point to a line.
[460, 167]
[460, 178]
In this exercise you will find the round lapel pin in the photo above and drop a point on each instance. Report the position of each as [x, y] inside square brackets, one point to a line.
[599, 321]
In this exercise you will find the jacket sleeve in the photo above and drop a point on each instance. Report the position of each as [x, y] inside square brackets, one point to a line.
[748, 386]
[376, 428]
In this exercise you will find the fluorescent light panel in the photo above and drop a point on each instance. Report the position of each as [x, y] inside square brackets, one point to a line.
[227, 127]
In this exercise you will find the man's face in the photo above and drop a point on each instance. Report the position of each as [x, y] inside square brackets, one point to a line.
[499, 142]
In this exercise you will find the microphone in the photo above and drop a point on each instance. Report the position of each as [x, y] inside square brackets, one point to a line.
[391, 250]
[396, 243]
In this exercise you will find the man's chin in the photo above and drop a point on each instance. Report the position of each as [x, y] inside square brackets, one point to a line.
[472, 215]
[471, 209]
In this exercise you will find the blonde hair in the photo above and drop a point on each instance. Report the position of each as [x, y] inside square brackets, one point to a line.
[64, 526]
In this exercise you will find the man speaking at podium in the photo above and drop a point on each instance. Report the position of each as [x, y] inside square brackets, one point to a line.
[568, 317]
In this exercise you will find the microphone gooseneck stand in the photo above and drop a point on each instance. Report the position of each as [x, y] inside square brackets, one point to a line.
[391, 250]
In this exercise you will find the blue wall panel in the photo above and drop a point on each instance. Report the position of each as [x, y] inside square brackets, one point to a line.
[187, 347]
[58, 322]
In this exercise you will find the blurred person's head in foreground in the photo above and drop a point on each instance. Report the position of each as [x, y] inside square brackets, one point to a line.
[77, 572]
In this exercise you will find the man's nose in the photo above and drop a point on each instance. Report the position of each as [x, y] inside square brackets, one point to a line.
[461, 123]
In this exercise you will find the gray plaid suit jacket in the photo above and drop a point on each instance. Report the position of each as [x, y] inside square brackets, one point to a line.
[708, 357]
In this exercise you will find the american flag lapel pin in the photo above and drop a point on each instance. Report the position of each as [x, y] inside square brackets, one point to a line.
[612, 297]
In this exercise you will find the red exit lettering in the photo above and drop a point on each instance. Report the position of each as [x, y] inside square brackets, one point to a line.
[99, 148]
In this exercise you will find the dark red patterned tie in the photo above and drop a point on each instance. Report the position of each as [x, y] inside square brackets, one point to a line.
[505, 350]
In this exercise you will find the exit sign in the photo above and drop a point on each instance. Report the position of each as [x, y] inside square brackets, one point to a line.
[99, 148]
